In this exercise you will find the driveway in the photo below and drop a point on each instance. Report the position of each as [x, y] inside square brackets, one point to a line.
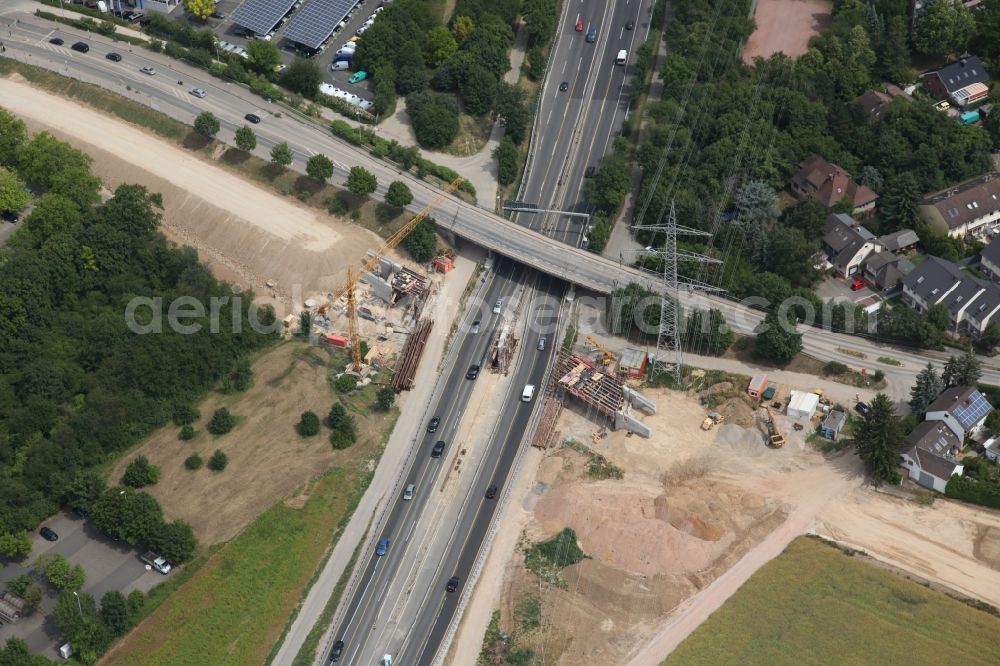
[839, 289]
[109, 566]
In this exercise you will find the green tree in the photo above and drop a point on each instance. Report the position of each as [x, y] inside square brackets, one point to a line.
[898, 208]
[12, 135]
[85, 630]
[319, 167]
[15, 545]
[114, 612]
[609, 185]
[966, 371]
[187, 433]
[345, 383]
[992, 125]
[435, 122]
[86, 486]
[174, 541]
[462, 27]
[777, 339]
[60, 573]
[13, 196]
[478, 87]
[927, 388]
[943, 26]
[25, 587]
[281, 154]
[136, 600]
[305, 324]
[201, 9]
[535, 63]
[506, 156]
[42, 157]
[540, 18]
[303, 76]
[361, 182]
[344, 429]
[263, 56]
[878, 438]
[441, 45]
[126, 514]
[708, 333]
[140, 473]
[792, 256]
[398, 195]
[218, 461]
[756, 203]
[193, 462]
[938, 316]
[894, 52]
[222, 422]
[246, 140]
[308, 424]
[808, 215]
[206, 124]
[384, 398]
[422, 241]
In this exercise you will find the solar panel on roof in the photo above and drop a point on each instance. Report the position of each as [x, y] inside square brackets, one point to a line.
[261, 16]
[315, 22]
[970, 414]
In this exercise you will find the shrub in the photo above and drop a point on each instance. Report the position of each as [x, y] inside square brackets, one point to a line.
[193, 462]
[218, 461]
[339, 440]
[345, 430]
[345, 383]
[308, 424]
[398, 194]
[835, 368]
[140, 473]
[337, 206]
[188, 433]
[384, 398]
[222, 422]
[185, 414]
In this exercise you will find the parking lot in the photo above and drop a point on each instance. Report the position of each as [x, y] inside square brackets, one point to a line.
[839, 289]
[227, 31]
[109, 566]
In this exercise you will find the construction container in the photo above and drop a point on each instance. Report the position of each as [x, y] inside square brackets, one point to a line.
[758, 383]
[443, 264]
[769, 392]
[337, 340]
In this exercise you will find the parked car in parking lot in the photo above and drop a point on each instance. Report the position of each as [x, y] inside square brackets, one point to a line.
[357, 77]
[48, 534]
[862, 408]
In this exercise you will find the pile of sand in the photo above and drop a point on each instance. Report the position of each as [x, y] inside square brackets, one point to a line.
[737, 412]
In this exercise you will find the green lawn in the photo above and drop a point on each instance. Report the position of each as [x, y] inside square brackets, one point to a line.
[234, 608]
[816, 605]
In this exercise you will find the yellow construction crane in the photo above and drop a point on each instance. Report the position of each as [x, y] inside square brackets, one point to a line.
[608, 356]
[776, 439]
[354, 275]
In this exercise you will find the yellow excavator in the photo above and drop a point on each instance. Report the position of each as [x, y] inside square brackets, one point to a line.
[608, 357]
[775, 439]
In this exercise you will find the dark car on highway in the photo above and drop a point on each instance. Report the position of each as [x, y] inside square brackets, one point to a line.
[589, 173]
[338, 649]
[438, 449]
[452, 584]
[252, 117]
[432, 425]
[592, 36]
[114, 56]
[629, 25]
[383, 547]
[564, 86]
[82, 47]
[48, 534]
[491, 492]
[473, 372]
[57, 41]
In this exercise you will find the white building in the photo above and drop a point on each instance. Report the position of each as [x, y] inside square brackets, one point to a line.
[802, 405]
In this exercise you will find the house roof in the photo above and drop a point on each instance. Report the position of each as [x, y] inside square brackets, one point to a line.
[991, 253]
[987, 304]
[971, 93]
[968, 291]
[833, 219]
[632, 358]
[843, 242]
[965, 403]
[932, 279]
[961, 73]
[835, 420]
[931, 445]
[966, 201]
[887, 269]
[801, 401]
[897, 240]
[830, 183]
[874, 103]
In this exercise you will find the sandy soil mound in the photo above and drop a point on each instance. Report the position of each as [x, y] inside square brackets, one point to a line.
[716, 388]
[737, 412]
[987, 545]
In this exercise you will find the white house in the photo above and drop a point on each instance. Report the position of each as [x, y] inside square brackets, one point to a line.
[971, 207]
[963, 409]
[845, 246]
[929, 460]
[801, 405]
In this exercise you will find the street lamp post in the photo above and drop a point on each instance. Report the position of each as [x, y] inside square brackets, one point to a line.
[78, 604]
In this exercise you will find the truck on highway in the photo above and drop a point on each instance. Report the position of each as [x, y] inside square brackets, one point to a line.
[155, 561]
[622, 57]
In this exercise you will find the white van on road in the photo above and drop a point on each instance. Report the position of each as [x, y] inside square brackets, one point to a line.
[528, 393]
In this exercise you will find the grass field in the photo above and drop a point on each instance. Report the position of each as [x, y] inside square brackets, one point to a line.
[817, 605]
[235, 607]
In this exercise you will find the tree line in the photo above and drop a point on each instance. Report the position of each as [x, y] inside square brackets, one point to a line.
[77, 386]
